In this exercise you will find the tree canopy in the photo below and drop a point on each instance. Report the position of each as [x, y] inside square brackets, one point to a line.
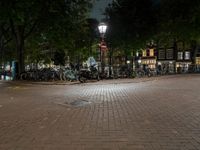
[30, 27]
[131, 23]
[179, 19]
[134, 22]
[57, 21]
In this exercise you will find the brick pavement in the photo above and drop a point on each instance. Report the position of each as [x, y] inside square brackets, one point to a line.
[159, 114]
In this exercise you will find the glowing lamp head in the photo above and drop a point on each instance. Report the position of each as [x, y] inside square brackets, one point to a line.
[137, 54]
[102, 28]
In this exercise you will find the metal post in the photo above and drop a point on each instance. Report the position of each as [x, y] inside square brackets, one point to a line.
[102, 63]
[102, 30]
[110, 62]
[102, 57]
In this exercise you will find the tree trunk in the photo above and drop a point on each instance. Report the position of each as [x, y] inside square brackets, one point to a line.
[20, 55]
[1, 51]
[20, 48]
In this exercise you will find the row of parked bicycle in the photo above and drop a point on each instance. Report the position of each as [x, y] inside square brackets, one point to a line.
[84, 74]
[91, 70]
[66, 74]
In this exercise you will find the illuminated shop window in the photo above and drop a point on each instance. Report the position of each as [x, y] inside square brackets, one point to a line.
[151, 52]
[180, 55]
[198, 60]
[144, 53]
[187, 55]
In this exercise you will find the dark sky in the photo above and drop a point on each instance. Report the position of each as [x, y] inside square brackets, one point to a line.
[98, 8]
[100, 5]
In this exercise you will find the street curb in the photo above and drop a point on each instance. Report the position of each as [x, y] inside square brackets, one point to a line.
[105, 81]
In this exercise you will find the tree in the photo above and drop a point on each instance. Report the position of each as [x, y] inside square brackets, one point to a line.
[178, 20]
[92, 33]
[5, 38]
[83, 41]
[59, 58]
[25, 17]
[131, 23]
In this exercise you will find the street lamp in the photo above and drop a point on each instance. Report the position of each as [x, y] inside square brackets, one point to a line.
[102, 30]
[137, 53]
[139, 62]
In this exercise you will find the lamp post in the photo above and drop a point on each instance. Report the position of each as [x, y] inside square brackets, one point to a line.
[137, 60]
[102, 30]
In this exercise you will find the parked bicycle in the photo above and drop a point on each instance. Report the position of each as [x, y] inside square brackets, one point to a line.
[88, 74]
[44, 74]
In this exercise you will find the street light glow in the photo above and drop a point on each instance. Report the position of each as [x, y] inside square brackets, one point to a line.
[137, 54]
[102, 28]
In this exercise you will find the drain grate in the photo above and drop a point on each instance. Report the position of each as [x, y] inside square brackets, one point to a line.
[80, 103]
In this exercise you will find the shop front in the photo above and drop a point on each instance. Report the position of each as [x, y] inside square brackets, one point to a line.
[197, 63]
[150, 62]
[183, 67]
[166, 66]
[149, 58]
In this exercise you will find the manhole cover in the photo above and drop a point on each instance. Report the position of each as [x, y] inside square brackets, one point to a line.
[80, 103]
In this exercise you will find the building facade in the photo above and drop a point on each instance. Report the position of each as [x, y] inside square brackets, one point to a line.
[177, 58]
[149, 57]
[166, 60]
[184, 55]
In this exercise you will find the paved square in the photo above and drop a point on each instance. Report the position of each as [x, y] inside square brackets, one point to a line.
[161, 113]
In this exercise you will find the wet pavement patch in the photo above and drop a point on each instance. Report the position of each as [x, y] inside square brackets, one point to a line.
[80, 103]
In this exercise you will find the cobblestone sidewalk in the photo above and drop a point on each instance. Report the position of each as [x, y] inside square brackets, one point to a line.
[159, 114]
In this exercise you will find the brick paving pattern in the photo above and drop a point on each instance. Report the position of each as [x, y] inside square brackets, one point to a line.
[158, 114]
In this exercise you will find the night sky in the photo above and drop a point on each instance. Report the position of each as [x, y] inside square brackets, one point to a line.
[98, 8]
[100, 5]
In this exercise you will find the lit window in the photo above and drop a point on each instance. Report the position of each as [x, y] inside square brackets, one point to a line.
[180, 55]
[187, 55]
[198, 60]
[144, 53]
[151, 52]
